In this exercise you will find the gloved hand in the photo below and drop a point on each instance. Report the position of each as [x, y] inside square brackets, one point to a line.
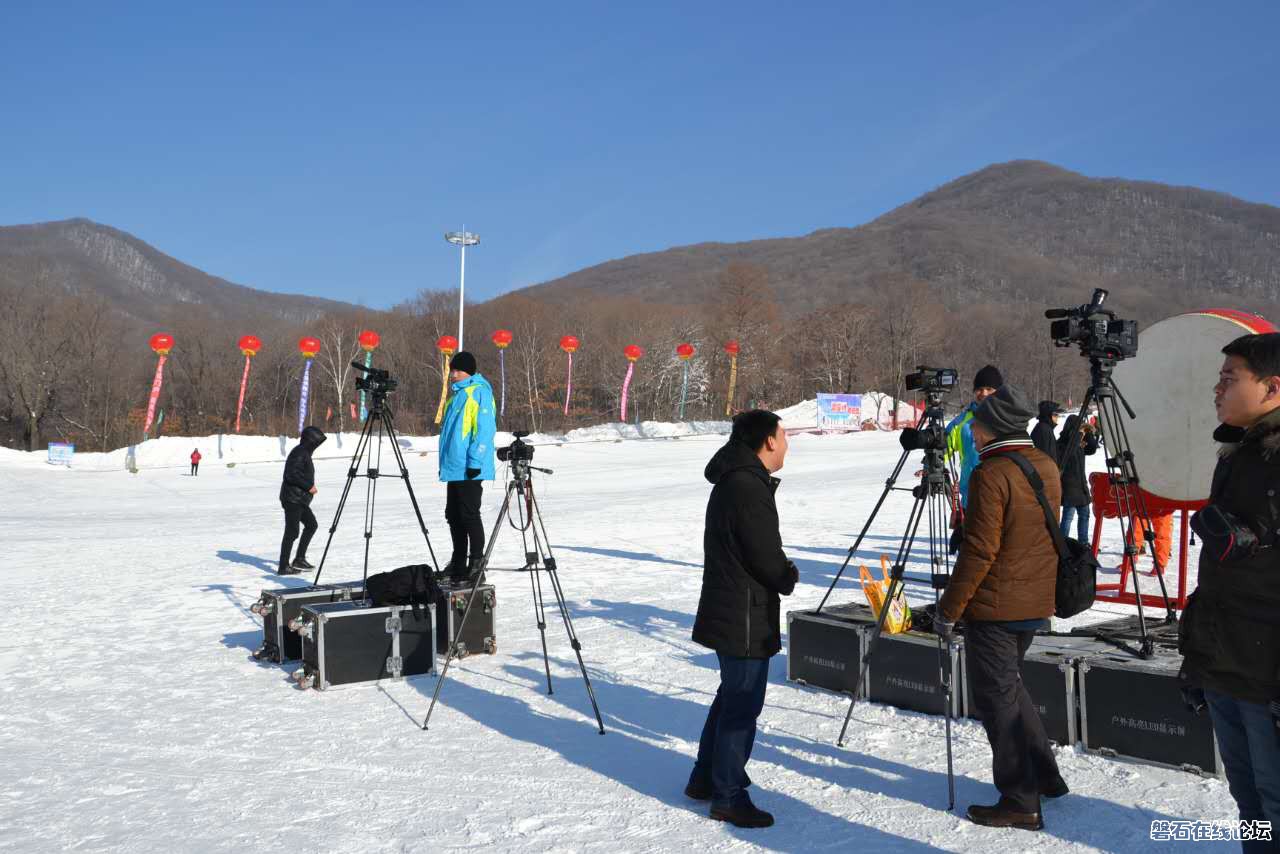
[793, 572]
[1193, 699]
[943, 629]
[472, 474]
[957, 537]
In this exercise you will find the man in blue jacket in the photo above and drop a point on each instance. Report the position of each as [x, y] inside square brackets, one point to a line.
[466, 460]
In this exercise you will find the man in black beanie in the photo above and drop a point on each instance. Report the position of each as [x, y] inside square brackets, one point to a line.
[466, 460]
[1003, 587]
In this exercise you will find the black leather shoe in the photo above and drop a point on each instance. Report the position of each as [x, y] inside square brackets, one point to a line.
[287, 570]
[698, 790]
[301, 563]
[742, 814]
[1000, 815]
[1056, 789]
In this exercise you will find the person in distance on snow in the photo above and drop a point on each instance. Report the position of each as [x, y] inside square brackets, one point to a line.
[1230, 630]
[1003, 587]
[1075, 479]
[295, 497]
[1042, 435]
[195, 462]
[466, 460]
[744, 572]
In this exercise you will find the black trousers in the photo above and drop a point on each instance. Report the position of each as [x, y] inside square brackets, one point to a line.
[195, 469]
[462, 512]
[295, 514]
[1021, 760]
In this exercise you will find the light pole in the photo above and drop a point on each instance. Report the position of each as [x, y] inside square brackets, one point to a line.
[462, 239]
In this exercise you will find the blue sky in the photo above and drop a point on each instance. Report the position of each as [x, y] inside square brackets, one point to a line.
[324, 148]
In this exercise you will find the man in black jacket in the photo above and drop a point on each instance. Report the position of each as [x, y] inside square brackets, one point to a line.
[295, 497]
[744, 571]
[1042, 435]
[1230, 630]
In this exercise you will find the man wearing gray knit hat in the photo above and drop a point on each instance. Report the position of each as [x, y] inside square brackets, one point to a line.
[1003, 588]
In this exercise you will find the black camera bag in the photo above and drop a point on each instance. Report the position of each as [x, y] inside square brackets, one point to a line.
[1077, 567]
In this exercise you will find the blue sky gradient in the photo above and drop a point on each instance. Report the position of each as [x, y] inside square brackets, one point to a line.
[324, 148]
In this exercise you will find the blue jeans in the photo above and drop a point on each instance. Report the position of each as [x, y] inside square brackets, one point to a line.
[730, 730]
[1250, 747]
[1082, 521]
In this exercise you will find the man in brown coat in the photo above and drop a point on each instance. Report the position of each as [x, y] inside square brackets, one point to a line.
[1003, 588]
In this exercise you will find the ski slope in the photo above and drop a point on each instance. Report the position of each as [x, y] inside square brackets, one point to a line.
[132, 717]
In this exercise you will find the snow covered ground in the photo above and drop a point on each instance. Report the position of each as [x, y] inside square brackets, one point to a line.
[133, 719]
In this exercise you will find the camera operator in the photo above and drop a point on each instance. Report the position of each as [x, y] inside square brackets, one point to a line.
[744, 572]
[466, 459]
[295, 497]
[1230, 630]
[960, 445]
[1003, 587]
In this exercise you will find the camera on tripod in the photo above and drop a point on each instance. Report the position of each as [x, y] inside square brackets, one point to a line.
[376, 381]
[518, 451]
[1097, 330]
[932, 380]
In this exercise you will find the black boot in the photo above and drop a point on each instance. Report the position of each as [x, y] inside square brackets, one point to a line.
[742, 813]
[1004, 815]
[1055, 789]
[285, 569]
[301, 563]
[474, 567]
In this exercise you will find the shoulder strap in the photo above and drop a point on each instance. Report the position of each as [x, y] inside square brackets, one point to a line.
[1033, 476]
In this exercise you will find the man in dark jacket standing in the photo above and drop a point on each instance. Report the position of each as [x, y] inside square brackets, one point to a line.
[1077, 443]
[1042, 435]
[1230, 630]
[295, 497]
[1003, 587]
[744, 572]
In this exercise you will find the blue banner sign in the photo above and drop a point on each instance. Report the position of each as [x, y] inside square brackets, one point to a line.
[839, 412]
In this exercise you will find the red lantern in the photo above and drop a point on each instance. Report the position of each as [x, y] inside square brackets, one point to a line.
[250, 345]
[447, 345]
[162, 343]
[502, 339]
[684, 351]
[369, 340]
[632, 352]
[309, 346]
[569, 344]
[732, 348]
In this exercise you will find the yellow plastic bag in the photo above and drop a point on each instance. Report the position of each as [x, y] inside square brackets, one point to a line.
[899, 618]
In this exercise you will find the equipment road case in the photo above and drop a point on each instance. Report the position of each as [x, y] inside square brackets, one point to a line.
[478, 635]
[905, 672]
[354, 643]
[1133, 708]
[282, 605]
[824, 648]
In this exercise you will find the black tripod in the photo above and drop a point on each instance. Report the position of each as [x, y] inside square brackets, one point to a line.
[1122, 473]
[539, 560]
[380, 421]
[933, 497]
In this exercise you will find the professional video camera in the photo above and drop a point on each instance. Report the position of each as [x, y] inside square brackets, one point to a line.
[518, 451]
[1100, 334]
[932, 380]
[376, 381]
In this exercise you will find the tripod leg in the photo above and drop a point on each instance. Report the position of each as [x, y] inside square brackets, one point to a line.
[550, 563]
[370, 503]
[853, 550]
[412, 498]
[362, 445]
[541, 615]
[941, 557]
[895, 584]
[453, 642]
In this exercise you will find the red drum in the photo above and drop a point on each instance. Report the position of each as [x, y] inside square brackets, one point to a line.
[1170, 384]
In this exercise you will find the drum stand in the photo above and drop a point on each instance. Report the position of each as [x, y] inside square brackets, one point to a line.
[1122, 472]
